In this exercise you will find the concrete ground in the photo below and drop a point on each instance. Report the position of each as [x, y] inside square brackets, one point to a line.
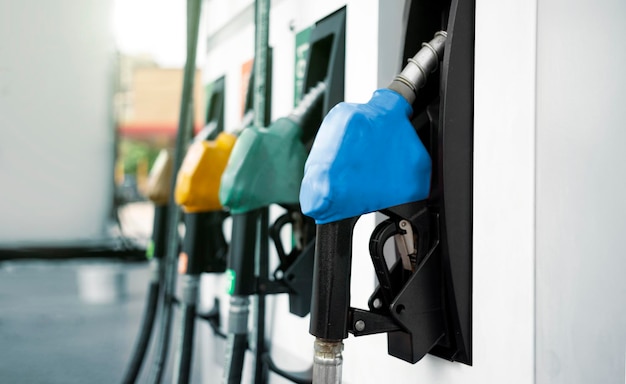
[50, 335]
[54, 332]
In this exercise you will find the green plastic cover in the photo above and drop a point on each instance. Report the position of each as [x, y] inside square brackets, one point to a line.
[265, 167]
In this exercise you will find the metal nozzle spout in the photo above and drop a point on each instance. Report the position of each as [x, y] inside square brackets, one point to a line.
[415, 73]
[305, 107]
[327, 361]
[246, 121]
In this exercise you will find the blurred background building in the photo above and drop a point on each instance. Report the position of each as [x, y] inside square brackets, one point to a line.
[147, 107]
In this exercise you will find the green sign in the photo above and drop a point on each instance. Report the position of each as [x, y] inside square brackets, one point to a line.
[208, 92]
[212, 89]
[302, 50]
[230, 281]
[150, 250]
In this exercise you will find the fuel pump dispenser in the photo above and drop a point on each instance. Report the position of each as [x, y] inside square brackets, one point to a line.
[204, 245]
[265, 168]
[158, 192]
[329, 196]
[369, 158]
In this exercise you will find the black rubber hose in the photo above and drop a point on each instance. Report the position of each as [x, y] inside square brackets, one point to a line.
[156, 252]
[182, 137]
[188, 320]
[141, 345]
[241, 263]
[260, 370]
[238, 344]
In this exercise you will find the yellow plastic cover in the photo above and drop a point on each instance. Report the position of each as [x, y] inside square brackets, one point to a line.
[198, 181]
[158, 186]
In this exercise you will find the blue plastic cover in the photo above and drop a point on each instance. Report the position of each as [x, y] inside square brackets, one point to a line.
[365, 157]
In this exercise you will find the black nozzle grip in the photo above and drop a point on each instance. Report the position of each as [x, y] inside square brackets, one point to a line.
[159, 231]
[242, 252]
[331, 280]
[204, 242]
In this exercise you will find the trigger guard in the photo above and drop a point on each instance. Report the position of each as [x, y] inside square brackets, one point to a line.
[383, 232]
[275, 229]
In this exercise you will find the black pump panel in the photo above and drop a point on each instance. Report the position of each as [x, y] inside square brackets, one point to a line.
[215, 106]
[326, 62]
[445, 126]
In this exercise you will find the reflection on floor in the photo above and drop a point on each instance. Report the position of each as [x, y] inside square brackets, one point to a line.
[50, 335]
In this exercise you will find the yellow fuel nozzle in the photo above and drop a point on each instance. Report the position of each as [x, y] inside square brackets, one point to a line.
[158, 186]
[198, 181]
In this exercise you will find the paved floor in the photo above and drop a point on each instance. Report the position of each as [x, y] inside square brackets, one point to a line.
[49, 334]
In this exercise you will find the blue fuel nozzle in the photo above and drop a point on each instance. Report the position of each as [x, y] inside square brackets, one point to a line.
[365, 158]
[368, 157]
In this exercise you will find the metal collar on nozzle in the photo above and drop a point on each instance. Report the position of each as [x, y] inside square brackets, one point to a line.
[414, 75]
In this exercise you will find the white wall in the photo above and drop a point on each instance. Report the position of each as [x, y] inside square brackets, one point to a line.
[581, 185]
[56, 135]
[503, 274]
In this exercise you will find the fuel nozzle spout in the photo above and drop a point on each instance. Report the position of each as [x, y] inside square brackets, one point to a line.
[306, 106]
[414, 75]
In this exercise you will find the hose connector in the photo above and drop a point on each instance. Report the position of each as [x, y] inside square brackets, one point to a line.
[246, 121]
[327, 361]
[190, 284]
[238, 315]
[156, 270]
[419, 67]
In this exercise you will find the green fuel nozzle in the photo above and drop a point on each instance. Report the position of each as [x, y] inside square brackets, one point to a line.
[265, 167]
[267, 164]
